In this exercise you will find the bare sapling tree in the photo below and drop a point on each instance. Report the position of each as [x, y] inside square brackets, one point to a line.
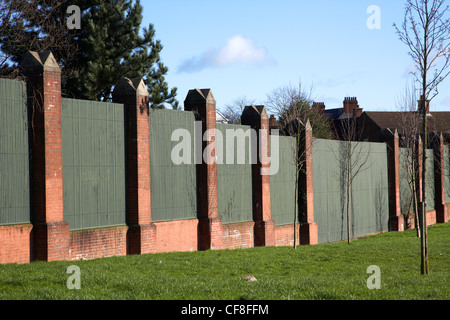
[426, 32]
[233, 110]
[293, 107]
[353, 158]
[409, 133]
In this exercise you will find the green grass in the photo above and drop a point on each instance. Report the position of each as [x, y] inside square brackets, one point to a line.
[326, 271]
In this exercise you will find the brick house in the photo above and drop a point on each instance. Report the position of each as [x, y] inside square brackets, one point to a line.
[371, 124]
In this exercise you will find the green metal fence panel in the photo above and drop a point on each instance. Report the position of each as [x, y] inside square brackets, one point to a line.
[406, 196]
[447, 174]
[93, 163]
[405, 173]
[234, 175]
[282, 183]
[329, 192]
[369, 202]
[14, 163]
[430, 180]
[174, 186]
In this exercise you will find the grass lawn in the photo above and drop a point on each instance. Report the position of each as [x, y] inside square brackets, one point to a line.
[326, 271]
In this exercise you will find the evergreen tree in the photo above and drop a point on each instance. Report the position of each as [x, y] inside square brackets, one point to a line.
[109, 45]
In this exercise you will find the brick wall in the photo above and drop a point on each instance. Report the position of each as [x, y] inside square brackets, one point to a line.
[284, 235]
[238, 235]
[179, 235]
[98, 243]
[48, 237]
[15, 243]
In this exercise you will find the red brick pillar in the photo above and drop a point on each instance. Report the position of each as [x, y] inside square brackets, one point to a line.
[264, 231]
[50, 234]
[437, 143]
[210, 234]
[308, 228]
[134, 96]
[396, 222]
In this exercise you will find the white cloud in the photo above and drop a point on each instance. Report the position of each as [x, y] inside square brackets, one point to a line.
[236, 51]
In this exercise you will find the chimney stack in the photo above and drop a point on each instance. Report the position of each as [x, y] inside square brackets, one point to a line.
[350, 103]
[320, 106]
[351, 107]
[272, 122]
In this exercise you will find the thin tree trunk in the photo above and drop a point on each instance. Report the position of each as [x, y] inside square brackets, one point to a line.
[416, 213]
[297, 172]
[423, 247]
[414, 192]
[349, 160]
[296, 207]
[348, 214]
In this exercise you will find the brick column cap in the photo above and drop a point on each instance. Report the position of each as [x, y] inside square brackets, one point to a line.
[388, 134]
[39, 61]
[130, 87]
[253, 113]
[306, 125]
[195, 96]
[436, 136]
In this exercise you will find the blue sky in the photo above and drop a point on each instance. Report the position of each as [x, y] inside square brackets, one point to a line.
[248, 48]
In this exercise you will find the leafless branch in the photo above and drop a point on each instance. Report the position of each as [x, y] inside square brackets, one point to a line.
[34, 25]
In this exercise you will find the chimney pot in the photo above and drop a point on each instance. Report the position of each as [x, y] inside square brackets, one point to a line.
[320, 106]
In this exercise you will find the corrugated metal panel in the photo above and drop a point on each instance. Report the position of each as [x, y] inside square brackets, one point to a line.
[406, 200]
[430, 180]
[369, 205]
[282, 184]
[93, 163]
[234, 180]
[447, 174]
[14, 163]
[405, 191]
[174, 187]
